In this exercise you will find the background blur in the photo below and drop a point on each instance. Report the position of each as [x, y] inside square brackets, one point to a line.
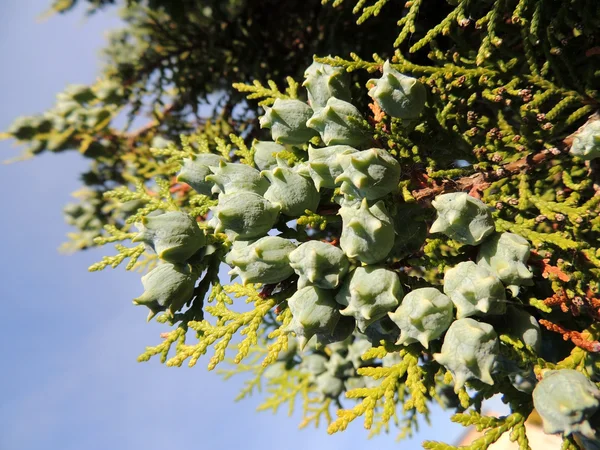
[70, 339]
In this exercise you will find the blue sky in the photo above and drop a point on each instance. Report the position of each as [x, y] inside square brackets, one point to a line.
[70, 339]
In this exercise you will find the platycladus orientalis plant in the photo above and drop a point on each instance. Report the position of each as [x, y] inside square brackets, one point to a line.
[406, 231]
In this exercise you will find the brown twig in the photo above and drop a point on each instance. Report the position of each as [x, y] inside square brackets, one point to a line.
[576, 305]
[482, 180]
[574, 336]
[559, 298]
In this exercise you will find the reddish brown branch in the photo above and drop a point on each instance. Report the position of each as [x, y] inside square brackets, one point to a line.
[574, 336]
[576, 305]
[482, 180]
[560, 299]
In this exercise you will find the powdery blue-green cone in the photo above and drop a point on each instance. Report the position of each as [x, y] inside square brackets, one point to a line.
[24, 128]
[357, 382]
[462, 218]
[293, 192]
[397, 94]
[324, 164]
[368, 294]
[391, 359]
[329, 385]
[565, 400]
[265, 154]
[264, 261]
[524, 326]
[369, 174]
[523, 380]
[287, 121]
[166, 287]
[229, 178]
[340, 123]
[275, 370]
[423, 316]
[160, 142]
[356, 350]
[342, 331]
[109, 91]
[320, 264]
[367, 232]
[474, 290]
[339, 366]
[195, 170]
[80, 93]
[313, 363]
[243, 215]
[586, 142]
[506, 255]
[469, 351]
[323, 81]
[94, 115]
[383, 329]
[174, 236]
[313, 311]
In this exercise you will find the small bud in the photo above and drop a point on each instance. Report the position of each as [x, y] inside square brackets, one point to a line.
[469, 350]
[565, 400]
[313, 311]
[398, 95]
[340, 123]
[368, 294]
[474, 290]
[287, 121]
[243, 215]
[496, 157]
[264, 261]
[324, 164]
[265, 154]
[291, 191]
[319, 264]
[423, 316]
[367, 232]
[166, 287]
[505, 256]
[369, 174]
[229, 178]
[462, 218]
[195, 170]
[323, 81]
[174, 236]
